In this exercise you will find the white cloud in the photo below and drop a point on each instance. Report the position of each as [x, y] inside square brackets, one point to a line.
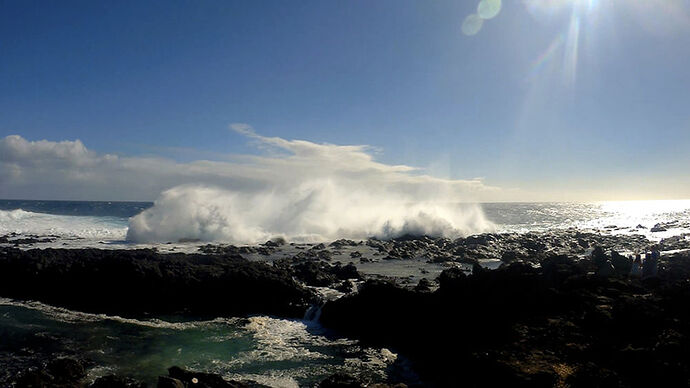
[68, 170]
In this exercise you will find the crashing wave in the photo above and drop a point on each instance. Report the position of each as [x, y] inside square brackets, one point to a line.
[314, 211]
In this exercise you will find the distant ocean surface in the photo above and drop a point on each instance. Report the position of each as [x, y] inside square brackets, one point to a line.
[107, 222]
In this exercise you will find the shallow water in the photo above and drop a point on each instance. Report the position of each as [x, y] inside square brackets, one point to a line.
[277, 352]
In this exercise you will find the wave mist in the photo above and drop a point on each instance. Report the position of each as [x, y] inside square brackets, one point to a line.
[311, 212]
[304, 191]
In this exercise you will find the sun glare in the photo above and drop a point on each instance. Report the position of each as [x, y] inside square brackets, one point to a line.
[640, 209]
[569, 39]
[579, 17]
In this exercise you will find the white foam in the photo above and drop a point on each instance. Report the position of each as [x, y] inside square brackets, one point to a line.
[65, 315]
[24, 222]
[311, 211]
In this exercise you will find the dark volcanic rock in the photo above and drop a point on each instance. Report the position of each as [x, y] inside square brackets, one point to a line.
[113, 381]
[139, 281]
[342, 243]
[60, 372]
[658, 228]
[169, 382]
[202, 380]
[423, 285]
[553, 325]
[622, 264]
[314, 274]
[319, 273]
[341, 380]
[65, 370]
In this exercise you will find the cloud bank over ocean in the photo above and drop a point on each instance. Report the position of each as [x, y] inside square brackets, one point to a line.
[296, 189]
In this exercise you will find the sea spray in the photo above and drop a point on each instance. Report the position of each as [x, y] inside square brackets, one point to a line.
[317, 210]
[20, 221]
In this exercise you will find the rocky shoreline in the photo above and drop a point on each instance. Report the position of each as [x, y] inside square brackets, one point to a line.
[548, 315]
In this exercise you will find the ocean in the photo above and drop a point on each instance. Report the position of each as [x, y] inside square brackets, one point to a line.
[273, 351]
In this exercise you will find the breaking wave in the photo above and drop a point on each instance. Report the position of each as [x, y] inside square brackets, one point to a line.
[314, 211]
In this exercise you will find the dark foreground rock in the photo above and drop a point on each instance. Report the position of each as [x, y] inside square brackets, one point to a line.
[70, 373]
[179, 377]
[319, 273]
[555, 325]
[132, 282]
[113, 381]
[60, 372]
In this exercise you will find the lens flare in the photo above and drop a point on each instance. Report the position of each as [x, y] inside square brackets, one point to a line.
[571, 50]
[488, 9]
[546, 57]
[472, 24]
[569, 39]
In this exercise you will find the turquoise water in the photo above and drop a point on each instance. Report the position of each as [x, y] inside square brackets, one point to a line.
[276, 352]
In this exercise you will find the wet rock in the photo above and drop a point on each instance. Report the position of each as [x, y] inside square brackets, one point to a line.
[206, 380]
[355, 254]
[113, 381]
[66, 370]
[275, 242]
[34, 378]
[31, 240]
[338, 244]
[509, 257]
[680, 242]
[322, 274]
[169, 382]
[341, 380]
[452, 279]
[314, 274]
[467, 260]
[348, 271]
[599, 257]
[227, 250]
[424, 285]
[345, 286]
[60, 373]
[658, 228]
[265, 250]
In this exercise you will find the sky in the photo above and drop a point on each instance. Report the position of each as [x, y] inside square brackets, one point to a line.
[531, 100]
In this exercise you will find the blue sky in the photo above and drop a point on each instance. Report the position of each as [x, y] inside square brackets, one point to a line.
[149, 78]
